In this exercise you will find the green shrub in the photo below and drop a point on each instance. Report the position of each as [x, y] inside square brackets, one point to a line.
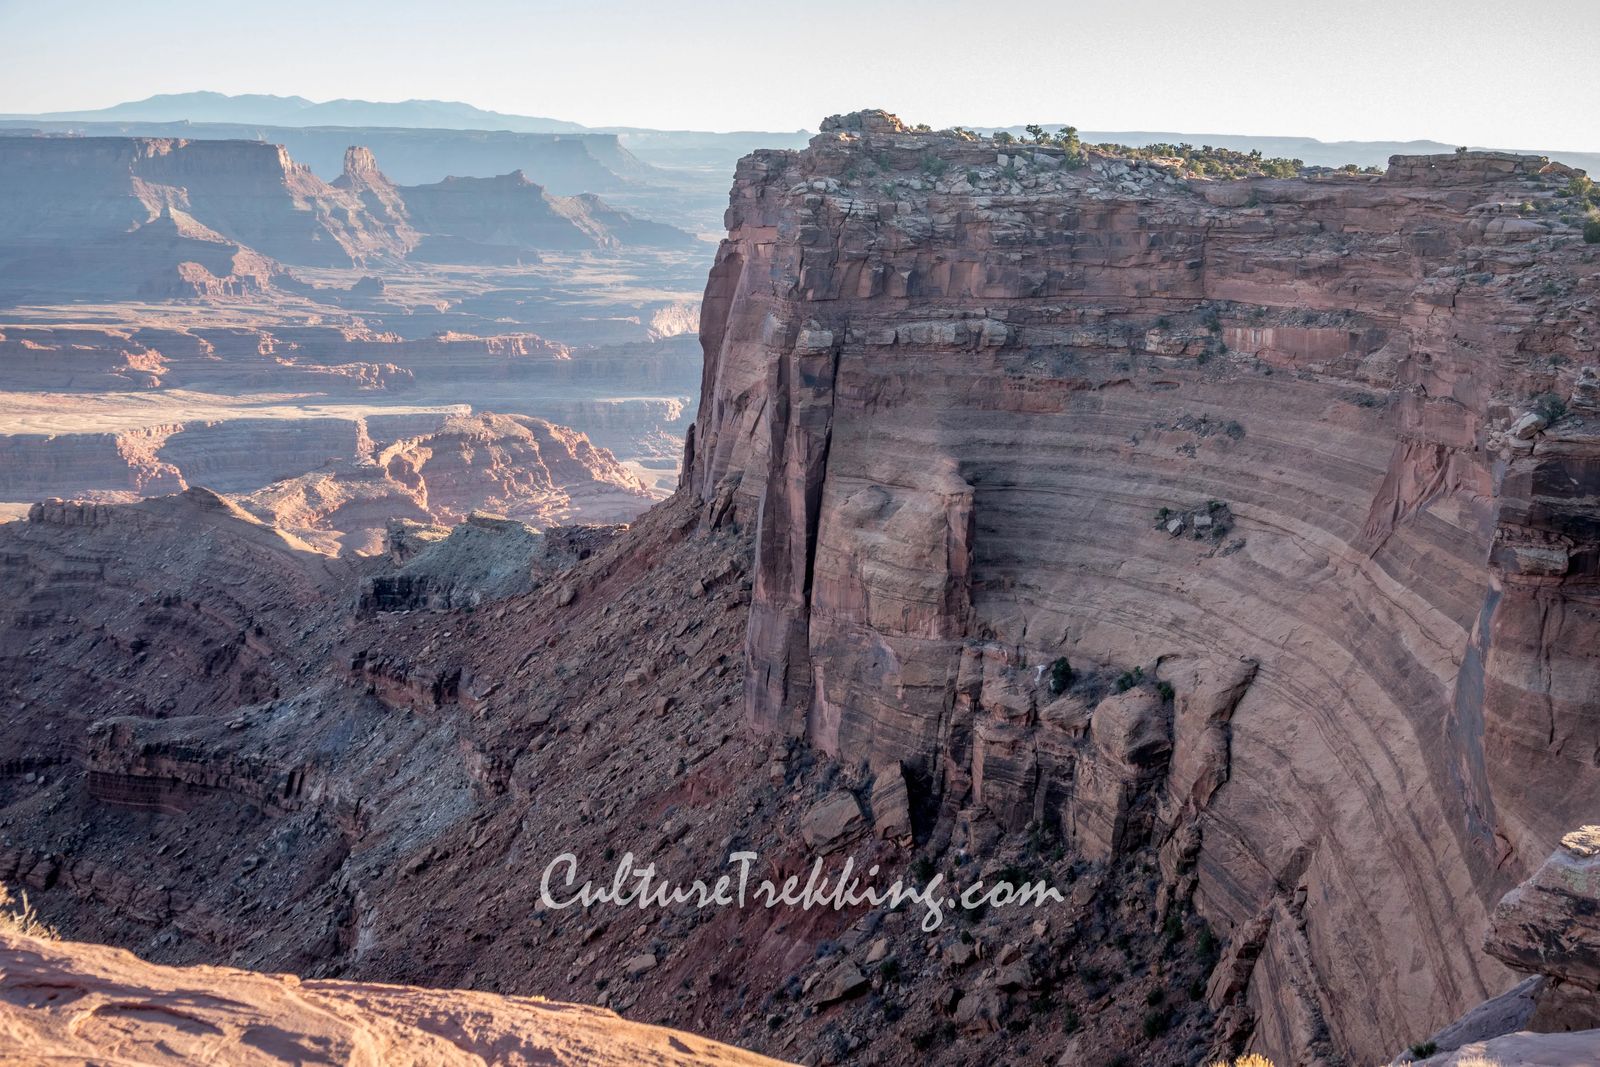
[1550, 407]
[1128, 679]
[1591, 230]
[1423, 1049]
[1060, 675]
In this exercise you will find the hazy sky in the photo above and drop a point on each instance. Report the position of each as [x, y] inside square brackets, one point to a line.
[1495, 72]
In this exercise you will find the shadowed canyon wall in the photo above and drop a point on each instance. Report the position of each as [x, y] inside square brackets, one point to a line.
[1264, 440]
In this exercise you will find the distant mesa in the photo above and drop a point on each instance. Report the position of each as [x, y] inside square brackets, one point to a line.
[513, 212]
[170, 217]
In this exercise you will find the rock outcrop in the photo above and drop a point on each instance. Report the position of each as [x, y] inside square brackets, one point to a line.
[341, 480]
[62, 1002]
[506, 464]
[378, 195]
[1545, 927]
[1550, 924]
[959, 379]
[484, 558]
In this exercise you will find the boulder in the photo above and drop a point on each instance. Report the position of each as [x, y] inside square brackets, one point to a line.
[979, 1011]
[1529, 426]
[833, 822]
[841, 980]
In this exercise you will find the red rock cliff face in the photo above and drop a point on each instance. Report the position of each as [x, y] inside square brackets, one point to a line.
[960, 380]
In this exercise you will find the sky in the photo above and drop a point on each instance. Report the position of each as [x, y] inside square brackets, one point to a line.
[1507, 73]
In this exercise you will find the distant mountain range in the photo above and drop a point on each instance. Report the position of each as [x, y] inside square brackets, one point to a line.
[298, 111]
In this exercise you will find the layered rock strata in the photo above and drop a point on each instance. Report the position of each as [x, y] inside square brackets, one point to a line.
[982, 397]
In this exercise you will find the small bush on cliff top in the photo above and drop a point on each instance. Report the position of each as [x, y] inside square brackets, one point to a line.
[1583, 188]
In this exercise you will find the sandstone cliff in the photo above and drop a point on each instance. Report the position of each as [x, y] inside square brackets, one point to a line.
[1252, 441]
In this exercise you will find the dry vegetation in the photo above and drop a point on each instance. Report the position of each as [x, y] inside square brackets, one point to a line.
[18, 916]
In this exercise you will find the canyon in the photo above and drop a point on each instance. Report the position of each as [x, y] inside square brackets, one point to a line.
[179, 312]
[1223, 552]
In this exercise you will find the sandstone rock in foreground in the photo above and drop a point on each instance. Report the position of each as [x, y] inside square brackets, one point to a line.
[70, 1003]
[1550, 924]
[1525, 1050]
